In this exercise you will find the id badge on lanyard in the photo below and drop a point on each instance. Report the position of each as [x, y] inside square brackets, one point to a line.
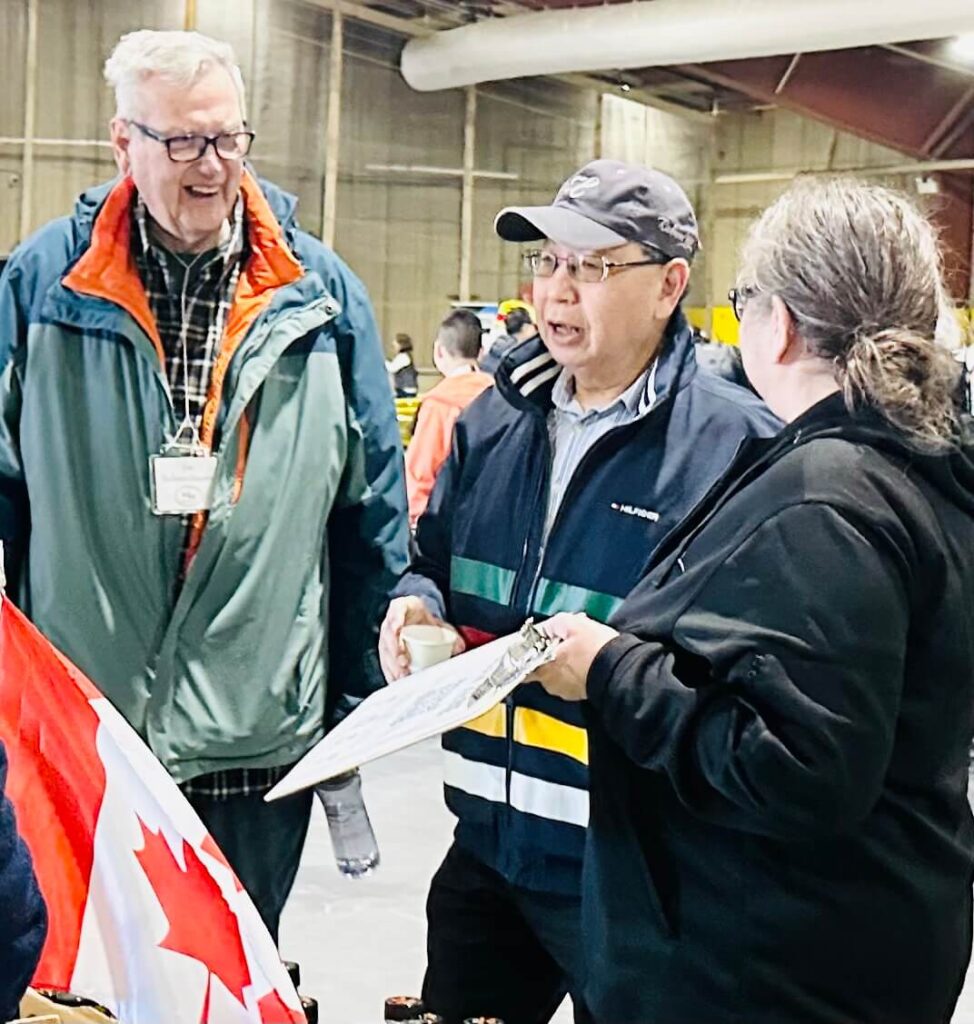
[182, 476]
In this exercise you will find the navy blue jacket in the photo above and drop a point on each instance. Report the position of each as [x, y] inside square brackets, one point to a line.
[518, 777]
[23, 916]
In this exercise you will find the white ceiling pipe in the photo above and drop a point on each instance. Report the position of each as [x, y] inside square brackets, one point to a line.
[649, 33]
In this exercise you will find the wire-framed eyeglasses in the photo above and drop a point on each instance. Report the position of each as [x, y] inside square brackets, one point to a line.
[187, 148]
[739, 297]
[588, 269]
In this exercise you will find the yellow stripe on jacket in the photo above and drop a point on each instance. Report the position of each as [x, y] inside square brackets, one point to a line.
[535, 729]
[490, 723]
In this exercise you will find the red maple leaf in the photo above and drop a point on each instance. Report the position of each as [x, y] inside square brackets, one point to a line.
[273, 1010]
[201, 923]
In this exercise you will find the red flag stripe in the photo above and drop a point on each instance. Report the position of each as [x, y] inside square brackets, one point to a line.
[48, 726]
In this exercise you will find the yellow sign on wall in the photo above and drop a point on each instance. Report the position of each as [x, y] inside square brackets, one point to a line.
[723, 327]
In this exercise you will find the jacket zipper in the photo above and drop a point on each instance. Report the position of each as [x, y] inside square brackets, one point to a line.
[509, 714]
[183, 601]
[542, 549]
[542, 490]
[543, 487]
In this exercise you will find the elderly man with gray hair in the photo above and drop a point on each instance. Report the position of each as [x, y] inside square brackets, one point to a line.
[200, 476]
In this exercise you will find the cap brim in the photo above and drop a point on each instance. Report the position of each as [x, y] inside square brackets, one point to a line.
[535, 223]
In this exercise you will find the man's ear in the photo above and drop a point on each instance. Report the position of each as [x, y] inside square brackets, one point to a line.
[121, 140]
[674, 284]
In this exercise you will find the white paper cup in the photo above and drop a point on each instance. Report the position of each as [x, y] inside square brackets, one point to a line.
[427, 645]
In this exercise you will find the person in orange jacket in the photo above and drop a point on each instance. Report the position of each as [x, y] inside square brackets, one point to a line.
[455, 354]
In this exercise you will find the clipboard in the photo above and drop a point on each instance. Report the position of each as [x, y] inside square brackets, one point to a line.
[422, 705]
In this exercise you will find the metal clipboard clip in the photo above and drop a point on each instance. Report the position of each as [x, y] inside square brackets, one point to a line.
[529, 651]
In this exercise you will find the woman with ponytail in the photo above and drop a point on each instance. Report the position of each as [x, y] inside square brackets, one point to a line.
[780, 713]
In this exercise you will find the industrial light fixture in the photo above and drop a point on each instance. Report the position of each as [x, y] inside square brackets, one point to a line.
[927, 185]
[963, 47]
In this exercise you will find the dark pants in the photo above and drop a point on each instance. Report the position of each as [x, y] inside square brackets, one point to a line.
[496, 950]
[263, 843]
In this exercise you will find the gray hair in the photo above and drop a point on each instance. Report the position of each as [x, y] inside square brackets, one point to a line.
[178, 57]
[859, 268]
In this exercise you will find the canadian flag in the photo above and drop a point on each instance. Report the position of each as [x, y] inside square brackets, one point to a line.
[146, 916]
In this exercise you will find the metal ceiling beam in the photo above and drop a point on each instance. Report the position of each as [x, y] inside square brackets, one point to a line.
[786, 77]
[927, 58]
[849, 91]
[872, 170]
[359, 12]
[950, 140]
[855, 97]
[939, 139]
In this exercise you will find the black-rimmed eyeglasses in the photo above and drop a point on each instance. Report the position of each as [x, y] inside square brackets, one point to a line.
[588, 269]
[739, 297]
[186, 148]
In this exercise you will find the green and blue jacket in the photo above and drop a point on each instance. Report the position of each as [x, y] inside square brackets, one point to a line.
[271, 635]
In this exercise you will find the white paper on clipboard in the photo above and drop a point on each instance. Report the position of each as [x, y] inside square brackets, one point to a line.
[426, 704]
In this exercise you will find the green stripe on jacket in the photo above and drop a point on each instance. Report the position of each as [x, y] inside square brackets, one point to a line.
[553, 597]
[481, 579]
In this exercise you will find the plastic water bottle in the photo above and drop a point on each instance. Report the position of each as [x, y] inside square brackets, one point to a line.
[352, 838]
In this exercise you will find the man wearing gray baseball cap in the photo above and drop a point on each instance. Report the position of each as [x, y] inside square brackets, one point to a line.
[597, 438]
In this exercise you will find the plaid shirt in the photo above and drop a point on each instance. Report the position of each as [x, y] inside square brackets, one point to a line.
[191, 298]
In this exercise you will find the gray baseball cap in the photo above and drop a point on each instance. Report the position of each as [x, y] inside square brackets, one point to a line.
[605, 204]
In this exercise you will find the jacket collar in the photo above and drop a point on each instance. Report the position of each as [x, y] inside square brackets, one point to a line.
[88, 205]
[527, 374]
[106, 268]
[950, 471]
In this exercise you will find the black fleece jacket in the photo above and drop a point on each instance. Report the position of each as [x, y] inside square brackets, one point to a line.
[780, 831]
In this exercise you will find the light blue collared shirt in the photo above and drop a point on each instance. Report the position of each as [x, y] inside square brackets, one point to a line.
[573, 430]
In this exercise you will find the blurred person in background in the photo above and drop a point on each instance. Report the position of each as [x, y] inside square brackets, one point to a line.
[780, 712]
[720, 359]
[518, 327]
[455, 353]
[402, 370]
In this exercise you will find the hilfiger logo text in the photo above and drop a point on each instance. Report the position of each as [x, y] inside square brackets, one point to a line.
[635, 510]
